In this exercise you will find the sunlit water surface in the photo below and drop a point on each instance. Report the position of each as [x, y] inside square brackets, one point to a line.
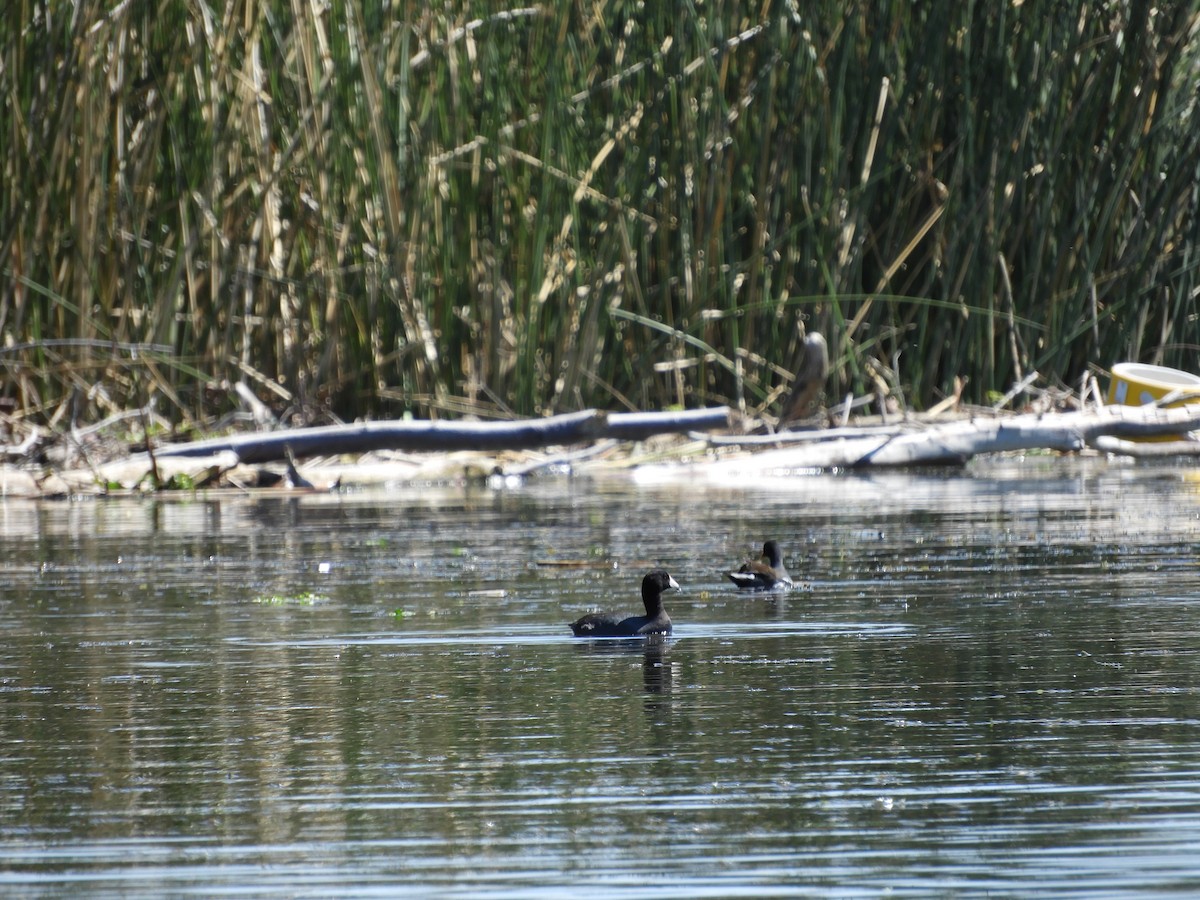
[988, 684]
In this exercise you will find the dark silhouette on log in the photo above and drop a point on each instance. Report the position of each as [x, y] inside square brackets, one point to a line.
[810, 376]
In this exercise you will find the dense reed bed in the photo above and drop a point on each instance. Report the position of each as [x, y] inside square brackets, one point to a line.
[371, 209]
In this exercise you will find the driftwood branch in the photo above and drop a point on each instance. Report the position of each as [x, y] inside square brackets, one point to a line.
[571, 428]
[24, 449]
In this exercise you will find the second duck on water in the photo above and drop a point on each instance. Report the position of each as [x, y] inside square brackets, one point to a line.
[766, 574]
[655, 621]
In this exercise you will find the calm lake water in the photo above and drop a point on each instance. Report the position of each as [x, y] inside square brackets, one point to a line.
[989, 684]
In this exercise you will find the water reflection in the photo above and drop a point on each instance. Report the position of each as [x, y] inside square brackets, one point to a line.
[657, 675]
[989, 686]
[654, 653]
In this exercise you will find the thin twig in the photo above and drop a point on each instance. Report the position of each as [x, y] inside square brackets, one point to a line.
[1016, 389]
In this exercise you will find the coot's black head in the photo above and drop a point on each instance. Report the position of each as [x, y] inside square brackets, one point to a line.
[653, 585]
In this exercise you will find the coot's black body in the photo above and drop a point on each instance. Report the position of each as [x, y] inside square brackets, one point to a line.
[655, 621]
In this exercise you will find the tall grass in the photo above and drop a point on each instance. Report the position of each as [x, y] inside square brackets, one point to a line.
[366, 211]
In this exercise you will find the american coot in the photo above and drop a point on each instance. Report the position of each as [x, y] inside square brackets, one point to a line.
[655, 621]
[766, 574]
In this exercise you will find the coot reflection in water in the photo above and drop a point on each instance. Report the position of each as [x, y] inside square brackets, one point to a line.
[653, 652]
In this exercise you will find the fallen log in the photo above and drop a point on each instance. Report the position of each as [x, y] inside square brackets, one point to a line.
[809, 436]
[424, 436]
[1139, 450]
[1147, 421]
[642, 425]
[954, 443]
[361, 437]
[1064, 432]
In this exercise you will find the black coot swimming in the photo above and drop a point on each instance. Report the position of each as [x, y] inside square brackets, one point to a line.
[655, 621]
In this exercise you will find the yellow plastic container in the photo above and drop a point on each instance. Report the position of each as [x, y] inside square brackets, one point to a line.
[1136, 384]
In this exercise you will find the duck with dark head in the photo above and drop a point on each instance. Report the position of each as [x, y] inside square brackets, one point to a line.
[655, 621]
[765, 574]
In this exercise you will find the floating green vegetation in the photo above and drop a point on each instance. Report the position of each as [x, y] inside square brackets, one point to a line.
[178, 481]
